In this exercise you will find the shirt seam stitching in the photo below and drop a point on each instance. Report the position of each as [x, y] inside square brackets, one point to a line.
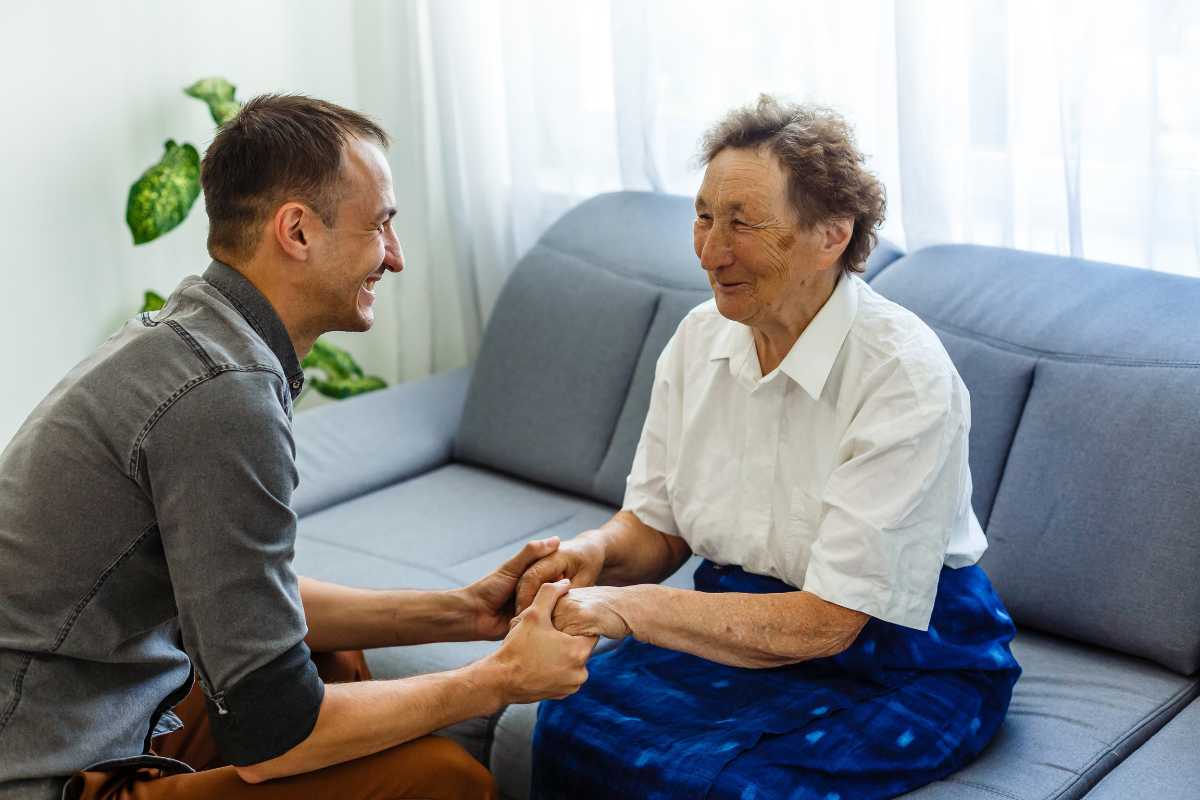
[68, 624]
[191, 342]
[255, 324]
[18, 684]
[221, 369]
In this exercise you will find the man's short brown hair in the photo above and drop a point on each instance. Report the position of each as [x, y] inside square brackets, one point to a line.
[825, 172]
[279, 147]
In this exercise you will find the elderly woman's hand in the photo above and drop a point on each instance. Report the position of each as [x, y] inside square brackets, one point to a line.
[581, 559]
[591, 611]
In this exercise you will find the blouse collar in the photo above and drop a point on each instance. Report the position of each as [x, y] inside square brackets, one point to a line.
[811, 358]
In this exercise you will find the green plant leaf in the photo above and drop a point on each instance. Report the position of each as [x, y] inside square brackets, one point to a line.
[342, 376]
[163, 196]
[153, 301]
[218, 94]
[341, 388]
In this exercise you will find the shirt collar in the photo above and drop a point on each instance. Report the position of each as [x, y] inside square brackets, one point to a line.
[258, 311]
[811, 358]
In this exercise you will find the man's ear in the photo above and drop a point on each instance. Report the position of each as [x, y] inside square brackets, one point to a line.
[289, 225]
[835, 236]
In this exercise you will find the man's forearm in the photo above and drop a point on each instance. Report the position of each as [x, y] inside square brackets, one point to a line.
[358, 719]
[742, 630]
[344, 618]
[636, 553]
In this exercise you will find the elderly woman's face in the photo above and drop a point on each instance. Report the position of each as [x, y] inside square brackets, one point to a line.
[758, 258]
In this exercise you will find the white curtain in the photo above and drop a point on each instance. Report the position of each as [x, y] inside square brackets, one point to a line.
[1063, 127]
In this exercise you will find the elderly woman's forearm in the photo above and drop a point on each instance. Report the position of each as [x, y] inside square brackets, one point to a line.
[635, 553]
[741, 630]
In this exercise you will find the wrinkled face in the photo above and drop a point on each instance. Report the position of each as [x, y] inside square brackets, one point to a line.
[361, 246]
[759, 259]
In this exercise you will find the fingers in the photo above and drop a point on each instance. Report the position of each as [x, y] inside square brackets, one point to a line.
[547, 597]
[528, 555]
[549, 568]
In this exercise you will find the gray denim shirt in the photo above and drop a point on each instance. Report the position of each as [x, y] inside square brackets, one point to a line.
[146, 532]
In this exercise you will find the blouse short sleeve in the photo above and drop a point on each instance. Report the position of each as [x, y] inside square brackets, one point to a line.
[646, 488]
[900, 487]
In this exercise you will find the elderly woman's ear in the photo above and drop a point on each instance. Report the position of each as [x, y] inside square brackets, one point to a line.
[835, 236]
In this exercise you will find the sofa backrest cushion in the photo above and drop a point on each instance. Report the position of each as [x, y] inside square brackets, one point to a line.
[1085, 447]
[562, 383]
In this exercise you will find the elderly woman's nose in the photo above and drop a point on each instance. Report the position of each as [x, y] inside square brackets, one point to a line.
[715, 250]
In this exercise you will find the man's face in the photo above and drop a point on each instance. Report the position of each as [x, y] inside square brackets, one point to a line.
[361, 246]
[758, 258]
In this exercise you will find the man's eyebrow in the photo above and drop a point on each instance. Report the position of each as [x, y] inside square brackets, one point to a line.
[386, 214]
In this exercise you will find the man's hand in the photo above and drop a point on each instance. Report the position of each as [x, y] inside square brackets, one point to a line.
[490, 599]
[579, 561]
[539, 661]
[592, 611]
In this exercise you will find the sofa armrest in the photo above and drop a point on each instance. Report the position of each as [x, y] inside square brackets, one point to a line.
[355, 446]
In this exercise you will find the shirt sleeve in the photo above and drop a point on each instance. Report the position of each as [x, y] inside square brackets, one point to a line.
[220, 464]
[646, 494]
[890, 506]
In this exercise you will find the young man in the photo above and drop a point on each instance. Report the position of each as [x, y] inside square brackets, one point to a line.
[146, 534]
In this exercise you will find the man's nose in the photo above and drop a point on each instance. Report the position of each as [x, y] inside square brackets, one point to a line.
[394, 259]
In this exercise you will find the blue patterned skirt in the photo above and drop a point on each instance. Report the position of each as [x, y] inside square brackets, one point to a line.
[900, 708]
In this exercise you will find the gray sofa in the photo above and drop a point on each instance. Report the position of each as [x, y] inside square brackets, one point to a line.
[1085, 451]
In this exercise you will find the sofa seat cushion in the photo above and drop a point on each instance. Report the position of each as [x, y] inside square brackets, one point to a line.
[1077, 712]
[1165, 768]
[448, 518]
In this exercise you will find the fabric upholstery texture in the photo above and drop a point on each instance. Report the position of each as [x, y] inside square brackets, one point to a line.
[449, 518]
[353, 447]
[553, 370]
[609, 484]
[1076, 712]
[999, 382]
[1096, 533]
[1165, 768]
[1095, 525]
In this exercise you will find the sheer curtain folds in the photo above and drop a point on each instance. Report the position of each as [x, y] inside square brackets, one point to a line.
[1065, 127]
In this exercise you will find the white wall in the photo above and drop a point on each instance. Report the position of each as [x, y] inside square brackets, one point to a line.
[92, 91]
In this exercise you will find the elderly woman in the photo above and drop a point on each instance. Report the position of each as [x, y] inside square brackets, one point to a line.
[808, 438]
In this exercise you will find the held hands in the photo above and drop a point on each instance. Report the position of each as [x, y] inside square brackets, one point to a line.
[579, 560]
[542, 662]
[592, 611]
[587, 610]
[491, 598]
[551, 637]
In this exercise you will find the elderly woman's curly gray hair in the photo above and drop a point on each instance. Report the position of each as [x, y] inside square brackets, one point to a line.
[826, 175]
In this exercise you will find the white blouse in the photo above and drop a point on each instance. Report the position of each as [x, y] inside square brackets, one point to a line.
[842, 472]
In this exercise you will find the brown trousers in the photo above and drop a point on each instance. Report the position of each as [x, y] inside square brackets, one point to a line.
[430, 768]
